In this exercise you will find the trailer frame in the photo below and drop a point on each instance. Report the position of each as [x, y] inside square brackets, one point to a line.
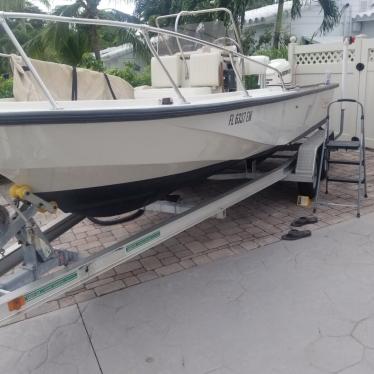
[298, 165]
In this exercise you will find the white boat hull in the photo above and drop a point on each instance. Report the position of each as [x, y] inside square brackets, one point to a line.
[57, 158]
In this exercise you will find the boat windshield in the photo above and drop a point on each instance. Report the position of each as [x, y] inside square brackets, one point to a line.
[217, 31]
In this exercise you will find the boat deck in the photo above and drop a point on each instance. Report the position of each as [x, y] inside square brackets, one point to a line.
[150, 97]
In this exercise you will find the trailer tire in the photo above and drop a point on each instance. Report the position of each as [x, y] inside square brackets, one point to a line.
[310, 189]
[116, 221]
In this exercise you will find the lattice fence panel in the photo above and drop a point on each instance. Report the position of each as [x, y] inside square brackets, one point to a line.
[324, 57]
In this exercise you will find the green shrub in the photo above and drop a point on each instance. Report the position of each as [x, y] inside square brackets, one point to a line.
[6, 88]
[273, 53]
[133, 75]
[251, 82]
[89, 62]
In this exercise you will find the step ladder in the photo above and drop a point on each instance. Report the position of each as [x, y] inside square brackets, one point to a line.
[356, 145]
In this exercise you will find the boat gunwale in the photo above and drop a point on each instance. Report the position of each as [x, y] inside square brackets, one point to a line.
[65, 116]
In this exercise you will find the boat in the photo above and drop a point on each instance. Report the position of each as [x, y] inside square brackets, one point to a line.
[99, 147]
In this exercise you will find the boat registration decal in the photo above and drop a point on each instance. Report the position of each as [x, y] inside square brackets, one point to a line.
[141, 241]
[50, 286]
[240, 118]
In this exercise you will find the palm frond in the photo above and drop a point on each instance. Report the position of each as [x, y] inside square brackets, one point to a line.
[71, 10]
[60, 43]
[117, 15]
[123, 36]
[296, 8]
[331, 15]
[140, 48]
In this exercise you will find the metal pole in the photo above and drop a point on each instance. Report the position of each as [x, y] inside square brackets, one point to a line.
[28, 62]
[238, 78]
[343, 84]
[152, 49]
[344, 67]
[180, 46]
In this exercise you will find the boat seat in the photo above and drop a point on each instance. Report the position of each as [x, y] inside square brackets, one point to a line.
[173, 64]
[146, 92]
[251, 68]
[66, 83]
[206, 69]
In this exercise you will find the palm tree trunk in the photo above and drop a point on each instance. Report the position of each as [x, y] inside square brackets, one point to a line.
[242, 20]
[95, 44]
[278, 24]
[92, 12]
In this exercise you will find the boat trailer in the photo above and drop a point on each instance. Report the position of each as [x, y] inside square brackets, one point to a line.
[33, 272]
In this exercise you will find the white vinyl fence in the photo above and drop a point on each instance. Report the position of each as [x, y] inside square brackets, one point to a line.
[312, 63]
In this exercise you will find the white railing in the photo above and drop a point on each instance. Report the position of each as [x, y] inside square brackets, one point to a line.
[144, 30]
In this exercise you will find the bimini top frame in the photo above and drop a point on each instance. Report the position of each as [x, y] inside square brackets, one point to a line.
[144, 31]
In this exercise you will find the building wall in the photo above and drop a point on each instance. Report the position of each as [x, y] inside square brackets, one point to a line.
[367, 28]
[311, 18]
[309, 22]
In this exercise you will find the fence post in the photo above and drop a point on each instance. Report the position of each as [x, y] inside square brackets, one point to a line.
[361, 75]
[291, 57]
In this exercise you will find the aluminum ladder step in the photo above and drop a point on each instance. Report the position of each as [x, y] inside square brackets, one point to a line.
[342, 162]
[341, 144]
[345, 180]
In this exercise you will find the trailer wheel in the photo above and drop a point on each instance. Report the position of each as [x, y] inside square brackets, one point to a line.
[310, 189]
[110, 221]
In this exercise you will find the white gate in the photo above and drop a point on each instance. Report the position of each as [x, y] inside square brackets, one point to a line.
[312, 63]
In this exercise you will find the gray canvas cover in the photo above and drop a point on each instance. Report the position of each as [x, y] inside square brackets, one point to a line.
[91, 85]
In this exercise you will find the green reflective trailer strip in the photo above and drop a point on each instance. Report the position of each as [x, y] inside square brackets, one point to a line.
[144, 240]
[50, 286]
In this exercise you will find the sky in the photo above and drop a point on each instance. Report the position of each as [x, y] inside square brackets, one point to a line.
[122, 5]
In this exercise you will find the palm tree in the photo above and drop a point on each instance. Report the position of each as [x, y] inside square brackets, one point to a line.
[90, 9]
[331, 16]
[68, 43]
[23, 29]
[238, 8]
